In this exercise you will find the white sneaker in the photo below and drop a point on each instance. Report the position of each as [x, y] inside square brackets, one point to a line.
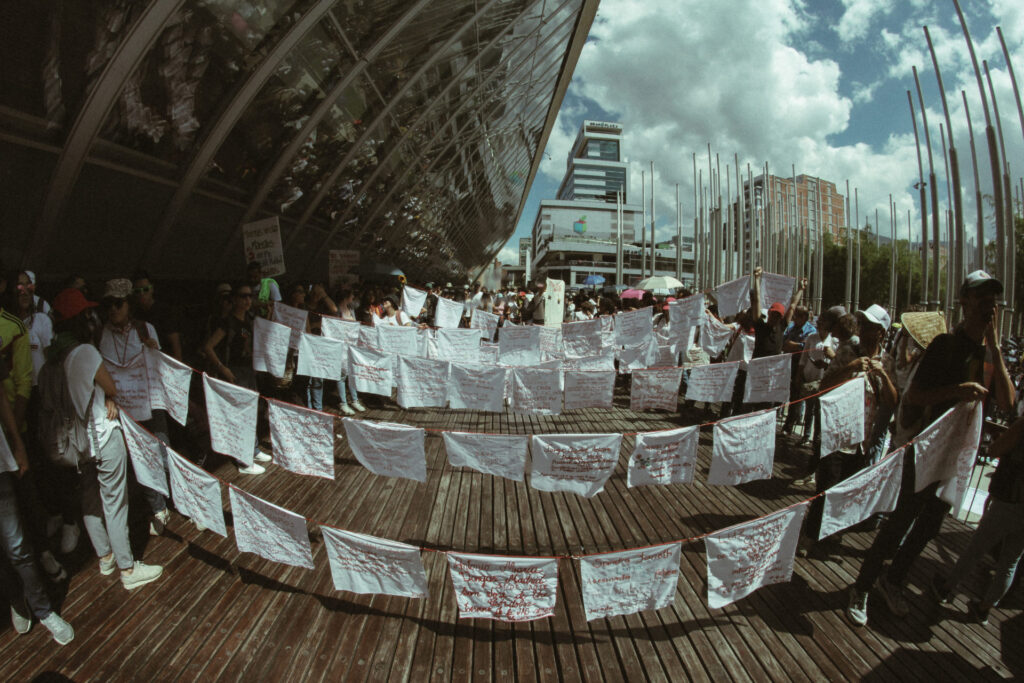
[252, 469]
[159, 522]
[61, 630]
[260, 456]
[346, 409]
[141, 574]
[857, 609]
[108, 565]
[21, 624]
[69, 535]
[358, 405]
[54, 570]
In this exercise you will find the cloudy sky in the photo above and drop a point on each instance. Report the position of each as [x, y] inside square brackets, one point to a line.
[816, 83]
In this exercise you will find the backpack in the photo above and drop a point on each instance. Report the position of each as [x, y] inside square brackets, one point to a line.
[63, 435]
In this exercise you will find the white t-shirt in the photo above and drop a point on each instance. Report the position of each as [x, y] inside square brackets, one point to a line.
[40, 334]
[122, 352]
[80, 366]
[815, 351]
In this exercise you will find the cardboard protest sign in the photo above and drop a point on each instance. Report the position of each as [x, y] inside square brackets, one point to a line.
[743, 449]
[874, 489]
[269, 531]
[303, 439]
[387, 449]
[629, 581]
[536, 391]
[448, 313]
[169, 382]
[635, 327]
[147, 453]
[712, 383]
[340, 264]
[486, 322]
[477, 387]
[270, 342]
[589, 389]
[714, 335]
[768, 379]
[321, 357]
[842, 416]
[733, 296]
[666, 457]
[132, 383]
[748, 556]
[519, 346]
[581, 339]
[370, 371]
[944, 451]
[459, 345]
[261, 241]
[413, 301]
[655, 389]
[501, 455]
[554, 303]
[504, 588]
[422, 383]
[578, 463]
[196, 493]
[369, 565]
[231, 411]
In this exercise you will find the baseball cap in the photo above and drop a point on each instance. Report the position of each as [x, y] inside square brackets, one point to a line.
[980, 279]
[838, 311]
[877, 315]
[118, 288]
[777, 308]
[70, 302]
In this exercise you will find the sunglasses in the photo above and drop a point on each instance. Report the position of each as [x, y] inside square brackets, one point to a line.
[143, 290]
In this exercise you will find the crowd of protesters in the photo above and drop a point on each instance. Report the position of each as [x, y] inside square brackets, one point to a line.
[80, 346]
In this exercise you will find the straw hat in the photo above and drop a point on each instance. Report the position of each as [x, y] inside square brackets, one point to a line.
[923, 326]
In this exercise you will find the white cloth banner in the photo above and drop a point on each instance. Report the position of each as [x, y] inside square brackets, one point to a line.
[633, 328]
[369, 338]
[589, 389]
[536, 391]
[873, 489]
[550, 341]
[745, 557]
[413, 301]
[269, 531]
[370, 565]
[629, 581]
[714, 335]
[742, 348]
[303, 439]
[169, 382]
[743, 449]
[733, 296]
[399, 341]
[944, 451]
[842, 416]
[712, 383]
[488, 353]
[604, 361]
[148, 455]
[387, 449]
[607, 331]
[477, 387]
[459, 345]
[486, 322]
[295, 318]
[422, 383]
[270, 342]
[578, 463]
[655, 389]
[581, 339]
[768, 379]
[321, 357]
[661, 458]
[231, 412]
[685, 313]
[776, 289]
[638, 357]
[504, 588]
[336, 328]
[501, 455]
[519, 345]
[132, 383]
[668, 357]
[196, 493]
[370, 371]
[428, 344]
[448, 313]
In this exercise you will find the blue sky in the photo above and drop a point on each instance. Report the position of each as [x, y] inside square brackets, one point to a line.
[820, 84]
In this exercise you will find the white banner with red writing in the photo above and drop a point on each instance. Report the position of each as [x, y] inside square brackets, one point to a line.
[944, 451]
[303, 439]
[294, 318]
[459, 344]
[477, 387]
[270, 342]
[269, 531]
[874, 489]
[644, 355]
[501, 455]
[535, 391]
[712, 383]
[635, 327]
[768, 379]
[842, 416]
[655, 389]
[422, 383]
[714, 335]
[519, 345]
[581, 339]
[148, 455]
[370, 565]
[588, 388]
[743, 449]
[504, 588]
[132, 383]
[413, 301]
[578, 463]
[665, 457]
[629, 581]
[231, 412]
[321, 357]
[196, 493]
[484, 321]
[448, 313]
[169, 382]
[370, 371]
[733, 296]
[388, 449]
[336, 328]
[399, 340]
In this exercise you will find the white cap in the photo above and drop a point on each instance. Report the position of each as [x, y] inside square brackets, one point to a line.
[877, 315]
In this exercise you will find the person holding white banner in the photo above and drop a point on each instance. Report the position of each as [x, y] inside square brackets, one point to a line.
[966, 365]
[346, 312]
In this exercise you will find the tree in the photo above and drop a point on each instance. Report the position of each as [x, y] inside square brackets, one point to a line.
[874, 272]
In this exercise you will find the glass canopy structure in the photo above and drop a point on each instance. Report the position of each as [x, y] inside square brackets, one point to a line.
[146, 134]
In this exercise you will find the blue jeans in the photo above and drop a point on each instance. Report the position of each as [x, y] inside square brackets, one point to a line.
[19, 552]
[315, 393]
[341, 389]
[1001, 522]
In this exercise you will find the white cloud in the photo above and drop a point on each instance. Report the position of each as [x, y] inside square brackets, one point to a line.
[508, 255]
[858, 16]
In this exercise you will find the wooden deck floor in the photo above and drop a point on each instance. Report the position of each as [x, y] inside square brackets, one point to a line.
[219, 614]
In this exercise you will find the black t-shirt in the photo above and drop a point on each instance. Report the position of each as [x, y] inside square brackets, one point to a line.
[164, 319]
[768, 339]
[236, 347]
[1007, 484]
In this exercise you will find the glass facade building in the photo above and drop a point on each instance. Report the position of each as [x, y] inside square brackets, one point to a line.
[146, 134]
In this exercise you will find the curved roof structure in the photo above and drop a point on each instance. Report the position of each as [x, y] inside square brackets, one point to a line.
[146, 134]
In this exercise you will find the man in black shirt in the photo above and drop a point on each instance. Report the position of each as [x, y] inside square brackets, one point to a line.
[963, 366]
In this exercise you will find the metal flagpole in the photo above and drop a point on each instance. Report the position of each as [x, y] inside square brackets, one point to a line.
[910, 261]
[950, 247]
[652, 220]
[740, 232]
[643, 225]
[933, 304]
[751, 222]
[892, 256]
[849, 250]
[679, 237]
[856, 271]
[979, 228]
[1008, 202]
[696, 245]
[729, 225]
[922, 188]
[1011, 302]
[618, 237]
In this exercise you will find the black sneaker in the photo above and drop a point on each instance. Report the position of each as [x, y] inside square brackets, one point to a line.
[977, 613]
[937, 587]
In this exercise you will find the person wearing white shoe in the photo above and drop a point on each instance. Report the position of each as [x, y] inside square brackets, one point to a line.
[358, 405]
[251, 469]
[346, 313]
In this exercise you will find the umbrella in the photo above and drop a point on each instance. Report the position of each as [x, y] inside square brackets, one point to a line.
[660, 282]
[594, 280]
[632, 294]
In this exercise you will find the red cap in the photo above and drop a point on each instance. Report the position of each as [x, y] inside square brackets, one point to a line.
[778, 308]
[70, 303]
